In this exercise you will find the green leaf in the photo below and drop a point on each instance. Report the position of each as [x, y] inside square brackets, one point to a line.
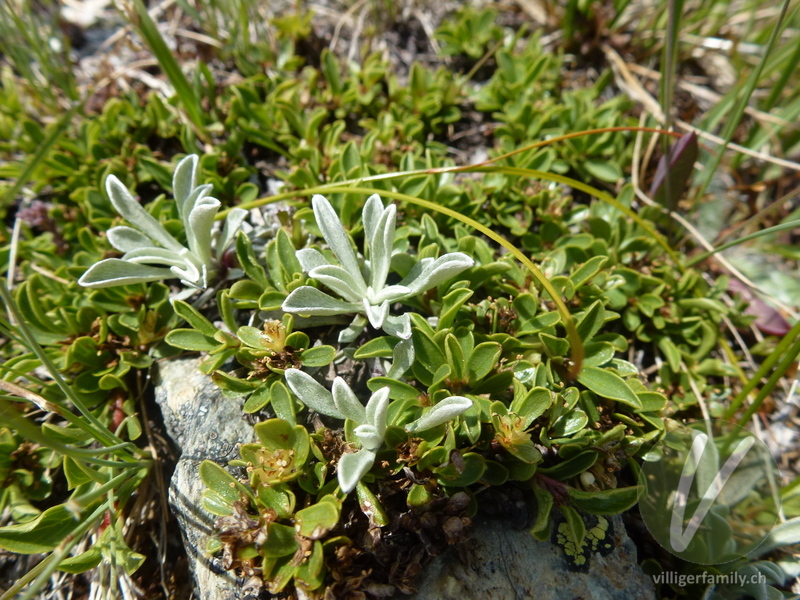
[317, 520]
[575, 530]
[223, 488]
[605, 502]
[251, 336]
[571, 467]
[249, 262]
[42, 534]
[45, 145]
[568, 424]
[604, 170]
[193, 317]
[371, 506]
[418, 496]
[671, 352]
[495, 474]
[608, 385]
[554, 347]
[312, 571]
[652, 401]
[287, 254]
[526, 452]
[281, 541]
[318, 356]
[258, 399]
[234, 386]
[282, 403]
[470, 472]
[275, 434]
[379, 347]
[190, 339]
[532, 405]
[592, 321]
[483, 359]
[427, 350]
[82, 562]
[451, 304]
[587, 270]
[544, 504]
[397, 389]
[455, 357]
[74, 474]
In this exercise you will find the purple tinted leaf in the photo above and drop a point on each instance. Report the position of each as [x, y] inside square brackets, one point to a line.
[682, 156]
[768, 320]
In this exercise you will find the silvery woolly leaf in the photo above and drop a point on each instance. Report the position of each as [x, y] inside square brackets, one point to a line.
[347, 403]
[380, 248]
[352, 331]
[369, 436]
[311, 393]
[184, 181]
[114, 271]
[438, 271]
[444, 411]
[377, 407]
[310, 258]
[391, 293]
[352, 467]
[126, 239]
[198, 194]
[398, 326]
[370, 215]
[340, 281]
[190, 274]
[233, 223]
[307, 300]
[129, 208]
[198, 232]
[155, 255]
[333, 232]
[376, 314]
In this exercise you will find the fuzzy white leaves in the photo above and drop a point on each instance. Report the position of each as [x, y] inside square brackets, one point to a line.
[364, 289]
[149, 244]
[370, 421]
[442, 412]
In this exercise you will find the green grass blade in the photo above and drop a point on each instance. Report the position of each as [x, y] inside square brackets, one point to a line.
[783, 78]
[780, 372]
[733, 122]
[779, 352]
[147, 28]
[774, 229]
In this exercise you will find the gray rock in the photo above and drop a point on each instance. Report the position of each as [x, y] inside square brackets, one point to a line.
[508, 564]
[204, 425]
[503, 563]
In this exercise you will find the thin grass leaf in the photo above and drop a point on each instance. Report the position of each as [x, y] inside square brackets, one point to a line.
[769, 230]
[144, 24]
[733, 122]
